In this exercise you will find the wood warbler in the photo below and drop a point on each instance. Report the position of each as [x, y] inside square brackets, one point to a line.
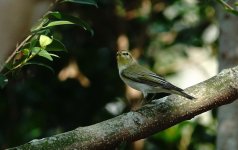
[142, 79]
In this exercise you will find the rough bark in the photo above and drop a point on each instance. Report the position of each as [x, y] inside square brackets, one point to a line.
[154, 117]
[227, 136]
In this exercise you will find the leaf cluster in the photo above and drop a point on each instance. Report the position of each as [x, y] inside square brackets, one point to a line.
[41, 41]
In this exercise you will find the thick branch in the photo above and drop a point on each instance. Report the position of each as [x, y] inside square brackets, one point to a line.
[159, 115]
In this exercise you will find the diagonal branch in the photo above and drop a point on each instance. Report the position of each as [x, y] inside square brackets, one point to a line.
[159, 115]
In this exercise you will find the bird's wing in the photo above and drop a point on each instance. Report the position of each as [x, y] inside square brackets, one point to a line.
[148, 77]
[142, 75]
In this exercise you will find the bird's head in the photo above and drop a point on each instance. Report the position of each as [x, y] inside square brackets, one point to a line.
[124, 58]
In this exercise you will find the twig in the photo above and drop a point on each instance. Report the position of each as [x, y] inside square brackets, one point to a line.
[225, 4]
[17, 49]
[25, 40]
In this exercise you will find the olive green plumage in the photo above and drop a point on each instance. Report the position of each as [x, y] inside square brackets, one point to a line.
[142, 79]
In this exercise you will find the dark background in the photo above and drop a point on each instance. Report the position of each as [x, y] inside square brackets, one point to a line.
[36, 104]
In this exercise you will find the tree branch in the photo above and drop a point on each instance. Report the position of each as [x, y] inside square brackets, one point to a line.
[159, 115]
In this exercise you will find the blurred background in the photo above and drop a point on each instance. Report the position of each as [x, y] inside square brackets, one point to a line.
[176, 39]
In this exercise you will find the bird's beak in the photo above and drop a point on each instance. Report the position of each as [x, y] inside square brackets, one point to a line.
[118, 53]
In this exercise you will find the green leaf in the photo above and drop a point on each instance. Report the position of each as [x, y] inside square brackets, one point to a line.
[54, 15]
[3, 81]
[26, 52]
[42, 53]
[44, 41]
[34, 40]
[35, 50]
[88, 2]
[63, 19]
[54, 55]
[45, 54]
[58, 23]
[56, 45]
[40, 64]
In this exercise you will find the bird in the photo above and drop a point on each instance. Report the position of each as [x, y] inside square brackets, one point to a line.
[142, 79]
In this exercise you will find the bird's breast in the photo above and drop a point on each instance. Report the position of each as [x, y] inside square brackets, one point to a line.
[136, 85]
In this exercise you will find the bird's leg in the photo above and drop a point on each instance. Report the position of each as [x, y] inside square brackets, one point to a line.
[153, 96]
[148, 97]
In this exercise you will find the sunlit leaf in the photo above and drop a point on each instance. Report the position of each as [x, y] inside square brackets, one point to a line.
[45, 40]
[58, 23]
[3, 81]
[56, 45]
[40, 64]
[88, 2]
[54, 55]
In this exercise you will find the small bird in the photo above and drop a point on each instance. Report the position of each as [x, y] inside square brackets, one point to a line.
[142, 79]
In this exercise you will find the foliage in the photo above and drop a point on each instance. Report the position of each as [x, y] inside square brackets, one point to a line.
[41, 41]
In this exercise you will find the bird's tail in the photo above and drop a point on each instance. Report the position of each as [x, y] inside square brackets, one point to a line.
[182, 93]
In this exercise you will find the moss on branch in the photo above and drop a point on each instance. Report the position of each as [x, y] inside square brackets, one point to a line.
[154, 117]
